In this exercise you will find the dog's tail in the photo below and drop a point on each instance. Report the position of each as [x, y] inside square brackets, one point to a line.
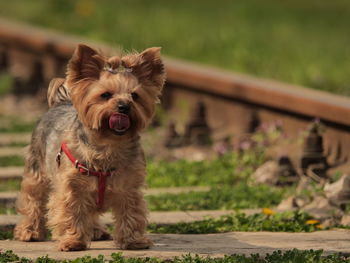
[57, 93]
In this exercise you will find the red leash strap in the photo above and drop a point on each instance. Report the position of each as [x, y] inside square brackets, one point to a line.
[101, 176]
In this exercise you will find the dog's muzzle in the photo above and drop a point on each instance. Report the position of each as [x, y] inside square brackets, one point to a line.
[119, 123]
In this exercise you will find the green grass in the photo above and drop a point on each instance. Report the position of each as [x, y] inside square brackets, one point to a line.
[5, 235]
[14, 144]
[5, 83]
[12, 160]
[7, 211]
[226, 170]
[10, 185]
[281, 222]
[297, 41]
[289, 256]
[228, 177]
[297, 221]
[9, 124]
[238, 196]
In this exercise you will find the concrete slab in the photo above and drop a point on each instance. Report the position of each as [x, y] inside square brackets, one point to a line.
[176, 190]
[11, 172]
[8, 138]
[171, 217]
[214, 245]
[9, 198]
[12, 151]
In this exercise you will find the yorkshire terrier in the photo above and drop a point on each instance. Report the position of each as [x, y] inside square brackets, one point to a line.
[85, 155]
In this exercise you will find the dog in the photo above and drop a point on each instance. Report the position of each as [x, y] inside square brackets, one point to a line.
[85, 155]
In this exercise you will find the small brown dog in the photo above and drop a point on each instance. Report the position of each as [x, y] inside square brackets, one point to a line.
[85, 155]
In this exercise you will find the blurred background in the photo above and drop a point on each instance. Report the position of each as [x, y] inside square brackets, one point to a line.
[296, 41]
[214, 140]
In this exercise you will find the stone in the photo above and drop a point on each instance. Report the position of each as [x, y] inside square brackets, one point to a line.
[322, 209]
[338, 193]
[266, 173]
[345, 220]
[288, 204]
[319, 202]
[280, 172]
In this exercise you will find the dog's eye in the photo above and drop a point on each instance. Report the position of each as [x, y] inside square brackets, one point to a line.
[106, 95]
[134, 96]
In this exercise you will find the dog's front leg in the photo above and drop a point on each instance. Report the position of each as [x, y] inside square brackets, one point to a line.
[130, 214]
[71, 209]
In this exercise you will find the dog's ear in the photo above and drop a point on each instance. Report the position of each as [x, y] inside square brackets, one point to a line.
[85, 64]
[150, 67]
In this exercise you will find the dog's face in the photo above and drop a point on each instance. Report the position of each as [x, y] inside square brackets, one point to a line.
[115, 96]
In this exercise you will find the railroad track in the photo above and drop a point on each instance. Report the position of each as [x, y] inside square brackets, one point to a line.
[234, 103]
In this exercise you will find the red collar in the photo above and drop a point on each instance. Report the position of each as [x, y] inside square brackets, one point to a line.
[101, 176]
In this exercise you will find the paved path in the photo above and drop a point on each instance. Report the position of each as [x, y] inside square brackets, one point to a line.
[168, 217]
[9, 198]
[215, 245]
[13, 151]
[11, 172]
[9, 138]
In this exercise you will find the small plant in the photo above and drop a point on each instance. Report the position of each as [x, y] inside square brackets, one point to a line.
[280, 222]
[10, 185]
[239, 196]
[15, 124]
[7, 210]
[225, 170]
[12, 160]
[5, 83]
[289, 256]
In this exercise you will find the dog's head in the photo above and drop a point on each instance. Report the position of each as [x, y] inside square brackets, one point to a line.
[116, 95]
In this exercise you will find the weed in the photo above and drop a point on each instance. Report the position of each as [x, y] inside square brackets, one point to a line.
[289, 256]
[10, 185]
[225, 170]
[12, 124]
[12, 160]
[281, 222]
[238, 196]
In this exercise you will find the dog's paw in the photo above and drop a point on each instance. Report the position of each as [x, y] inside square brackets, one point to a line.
[100, 234]
[27, 234]
[141, 243]
[71, 245]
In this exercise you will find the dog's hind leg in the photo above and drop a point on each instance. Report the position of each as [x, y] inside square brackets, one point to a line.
[32, 205]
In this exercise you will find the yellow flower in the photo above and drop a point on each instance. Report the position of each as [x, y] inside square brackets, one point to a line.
[312, 222]
[320, 226]
[268, 211]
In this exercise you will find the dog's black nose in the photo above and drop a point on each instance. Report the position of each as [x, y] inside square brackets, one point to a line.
[123, 108]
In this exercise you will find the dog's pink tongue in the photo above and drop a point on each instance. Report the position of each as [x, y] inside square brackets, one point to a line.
[119, 122]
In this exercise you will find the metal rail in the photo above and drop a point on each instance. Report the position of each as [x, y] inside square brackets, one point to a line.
[202, 79]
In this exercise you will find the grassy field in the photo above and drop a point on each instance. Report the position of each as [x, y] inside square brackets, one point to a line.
[297, 221]
[289, 256]
[302, 42]
[281, 222]
[228, 178]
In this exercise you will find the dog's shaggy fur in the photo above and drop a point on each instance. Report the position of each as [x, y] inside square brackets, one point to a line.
[57, 195]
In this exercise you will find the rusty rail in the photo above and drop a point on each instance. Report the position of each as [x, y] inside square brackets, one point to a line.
[268, 93]
[264, 93]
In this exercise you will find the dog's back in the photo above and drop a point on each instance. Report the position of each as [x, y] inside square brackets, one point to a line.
[57, 92]
[47, 136]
